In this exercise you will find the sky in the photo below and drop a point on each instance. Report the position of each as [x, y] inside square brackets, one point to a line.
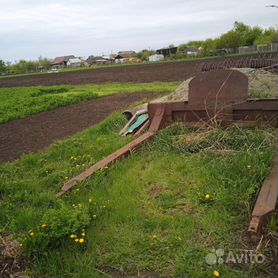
[50, 28]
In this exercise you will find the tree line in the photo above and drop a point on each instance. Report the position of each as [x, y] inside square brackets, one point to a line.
[240, 35]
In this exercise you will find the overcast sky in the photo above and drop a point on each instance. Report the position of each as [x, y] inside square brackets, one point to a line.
[30, 28]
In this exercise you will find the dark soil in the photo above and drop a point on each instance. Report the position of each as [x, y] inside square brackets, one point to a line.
[39, 131]
[177, 71]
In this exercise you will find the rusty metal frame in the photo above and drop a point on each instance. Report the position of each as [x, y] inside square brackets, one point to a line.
[249, 112]
[227, 103]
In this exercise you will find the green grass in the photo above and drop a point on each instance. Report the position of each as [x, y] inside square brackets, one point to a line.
[152, 219]
[22, 102]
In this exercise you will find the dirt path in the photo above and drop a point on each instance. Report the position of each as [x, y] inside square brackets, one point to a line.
[39, 131]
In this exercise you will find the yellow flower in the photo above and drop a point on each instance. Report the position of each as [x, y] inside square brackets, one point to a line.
[66, 178]
[73, 236]
[76, 240]
[43, 225]
[154, 236]
[20, 244]
[216, 273]
[249, 166]
[72, 157]
[32, 234]
[207, 197]
[81, 240]
[94, 216]
[90, 200]
[83, 234]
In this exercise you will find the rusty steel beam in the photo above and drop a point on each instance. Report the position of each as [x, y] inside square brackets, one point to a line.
[107, 161]
[266, 201]
[122, 152]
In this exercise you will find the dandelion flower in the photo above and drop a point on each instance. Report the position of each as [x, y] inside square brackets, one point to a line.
[77, 189]
[207, 196]
[32, 234]
[249, 166]
[90, 200]
[73, 236]
[83, 234]
[43, 225]
[81, 240]
[76, 240]
[154, 236]
[216, 273]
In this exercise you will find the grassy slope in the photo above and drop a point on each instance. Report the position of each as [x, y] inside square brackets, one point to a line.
[155, 192]
[21, 102]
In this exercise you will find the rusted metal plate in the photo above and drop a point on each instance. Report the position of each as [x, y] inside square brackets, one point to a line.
[261, 111]
[267, 199]
[218, 88]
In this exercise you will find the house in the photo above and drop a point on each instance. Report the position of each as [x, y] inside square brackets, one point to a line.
[191, 51]
[74, 63]
[156, 58]
[125, 56]
[61, 61]
[100, 60]
[167, 51]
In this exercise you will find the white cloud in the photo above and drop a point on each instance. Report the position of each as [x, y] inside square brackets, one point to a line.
[57, 27]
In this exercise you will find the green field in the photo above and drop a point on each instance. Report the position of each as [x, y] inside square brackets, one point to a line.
[146, 214]
[25, 101]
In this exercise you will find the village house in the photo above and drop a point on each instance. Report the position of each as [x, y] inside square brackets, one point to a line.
[166, 52]
[100, 60]
[61, 61]
[191, 51]
[74, 63]
[125, 56]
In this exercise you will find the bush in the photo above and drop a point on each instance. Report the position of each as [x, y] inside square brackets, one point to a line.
[62, 224]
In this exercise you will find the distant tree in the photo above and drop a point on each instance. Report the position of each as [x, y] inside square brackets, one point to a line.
[3, 67]
[268, 36]
[145, 54]
[182, 47]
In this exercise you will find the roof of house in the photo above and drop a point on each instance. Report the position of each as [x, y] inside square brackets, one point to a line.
[61, 59]
[126, 54]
